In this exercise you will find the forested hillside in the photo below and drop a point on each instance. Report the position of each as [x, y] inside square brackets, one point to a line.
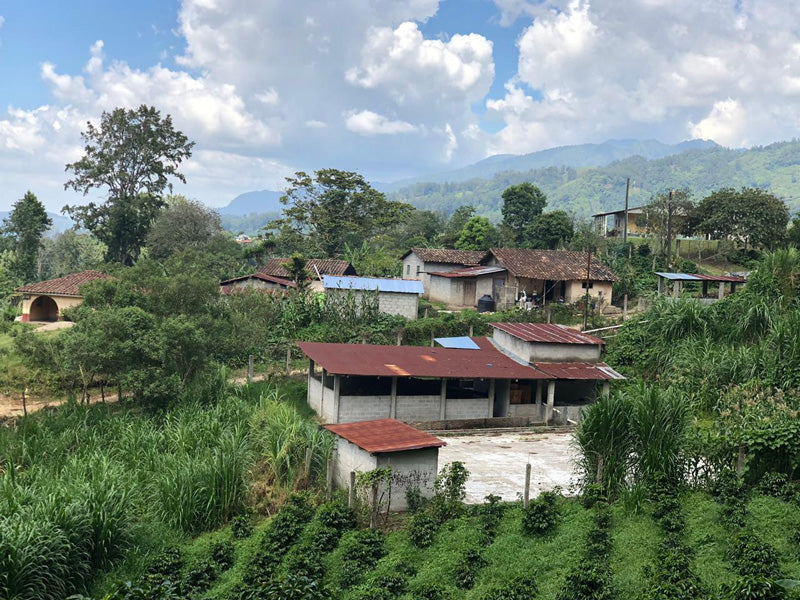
[585, 191]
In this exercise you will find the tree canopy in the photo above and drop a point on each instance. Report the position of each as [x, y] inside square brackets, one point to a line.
[331, 208]
[478, 234]
[751, 215]
[182, 224]
[132, 154]
[521, 205]
[548, 230]
[26, 224]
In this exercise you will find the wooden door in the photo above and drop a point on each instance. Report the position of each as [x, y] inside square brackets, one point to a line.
[470, 288]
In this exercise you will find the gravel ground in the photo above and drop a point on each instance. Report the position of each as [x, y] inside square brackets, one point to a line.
[496, 462]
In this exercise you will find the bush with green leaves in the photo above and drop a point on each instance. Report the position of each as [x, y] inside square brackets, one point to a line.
[360, 551]
[422, 529]
[522, 587]
[541, 516]
[469, 565]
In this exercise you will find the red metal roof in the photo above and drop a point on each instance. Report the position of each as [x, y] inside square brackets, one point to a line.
[385, 435]
[722, 278]
[577, 370]
[63, 286]
[418, 361]
[547, 333]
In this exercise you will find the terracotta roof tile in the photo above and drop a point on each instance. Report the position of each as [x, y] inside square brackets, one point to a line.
[326, 266]
[261, 277]
[551, 265]
[63, 286]
[447, 256]
[385, 435]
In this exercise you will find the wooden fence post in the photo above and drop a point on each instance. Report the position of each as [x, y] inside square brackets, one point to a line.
[288, 360]
[526, 496]
[24, 402]
[373, 509]
[250, 365]
[307, 464]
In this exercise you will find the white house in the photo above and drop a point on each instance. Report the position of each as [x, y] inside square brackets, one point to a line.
[419, 262]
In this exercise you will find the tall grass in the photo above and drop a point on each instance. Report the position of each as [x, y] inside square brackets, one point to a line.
[76, 484]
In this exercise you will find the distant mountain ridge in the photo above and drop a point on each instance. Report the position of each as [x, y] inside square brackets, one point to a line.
[60, 222]
[576, 156]
[262, 201]
[584, 191]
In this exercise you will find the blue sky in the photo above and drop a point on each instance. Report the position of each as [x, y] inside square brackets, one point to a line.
[390, 88]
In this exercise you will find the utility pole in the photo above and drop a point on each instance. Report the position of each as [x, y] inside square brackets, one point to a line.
[669, 230]
[586, 297]
[625, 230]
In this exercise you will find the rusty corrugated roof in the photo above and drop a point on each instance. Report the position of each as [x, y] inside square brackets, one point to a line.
[385, 435]
[325, 266]
[261, 277]
[418, 361]
[697, 277]
[547, 333]
[448, 256]
[551, 265]
[63, 286]
[577, 370]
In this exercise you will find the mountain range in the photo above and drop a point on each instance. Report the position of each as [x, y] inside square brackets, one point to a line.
[588, 178]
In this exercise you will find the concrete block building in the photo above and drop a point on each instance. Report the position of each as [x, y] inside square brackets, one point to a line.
[413, 456]
[395, 296]
[46, 300]
[418, 263]
[509, 380]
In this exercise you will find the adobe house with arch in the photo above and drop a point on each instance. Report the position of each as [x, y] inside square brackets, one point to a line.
[46, 300]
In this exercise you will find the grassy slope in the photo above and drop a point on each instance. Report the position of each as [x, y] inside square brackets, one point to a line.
[550, 558]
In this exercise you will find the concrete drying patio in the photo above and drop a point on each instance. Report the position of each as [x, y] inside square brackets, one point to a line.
[496, 462]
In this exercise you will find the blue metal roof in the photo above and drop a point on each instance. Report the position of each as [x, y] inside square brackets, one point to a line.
[401, 286]
[465, 342]
[679, 276]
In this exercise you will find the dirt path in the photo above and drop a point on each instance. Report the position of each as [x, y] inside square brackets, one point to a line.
[12, 406]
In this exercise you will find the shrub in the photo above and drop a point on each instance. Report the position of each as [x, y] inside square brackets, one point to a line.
[415, 501]
[222, 555]
[360, 552]
[752, 557]
[290, 587]
[468, 568]
[592, 581]
[519, 588]
[450, 491]
[753, 588]
[422, 529]
[541, 516]
[776, 485]
[241, 527]
[430, 591]
[489, 515]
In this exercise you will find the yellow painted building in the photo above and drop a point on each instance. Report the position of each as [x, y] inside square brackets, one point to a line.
[46, 300]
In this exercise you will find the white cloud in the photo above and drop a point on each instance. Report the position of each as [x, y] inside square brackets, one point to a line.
[2, 20]
[667, 70]
[368, 123]
[315, 124]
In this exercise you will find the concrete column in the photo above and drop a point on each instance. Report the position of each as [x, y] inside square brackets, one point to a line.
[551, 401]
[337, 388]
[660, 285]
[606, 388]
[538, 391]
[443, 401]
[625, 306]
[393, 407]
[676, 289]
[721, 293]
[490, 414]
[322, 395]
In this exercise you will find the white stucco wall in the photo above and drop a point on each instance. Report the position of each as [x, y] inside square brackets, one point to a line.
[322, 399]
[412, 468]
[599, 289]
[415, 268]
[350, 457]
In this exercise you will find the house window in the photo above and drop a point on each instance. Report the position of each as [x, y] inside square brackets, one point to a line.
[408, 269]
[419, 269]
[591, 284]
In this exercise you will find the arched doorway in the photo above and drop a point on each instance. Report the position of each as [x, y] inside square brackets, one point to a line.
[44, 308]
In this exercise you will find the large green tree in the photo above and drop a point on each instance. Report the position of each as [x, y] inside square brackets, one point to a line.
[455, 224]
[26, 224]
[182, 224]
[521, 205]
[548, 230]
[132, 155]
[667, 215]
[332, 208]
[69, 252]
[751, 215]
[478, 234]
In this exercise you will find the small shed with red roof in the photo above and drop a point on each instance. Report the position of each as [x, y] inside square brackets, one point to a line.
[413, 456]
[46, 300]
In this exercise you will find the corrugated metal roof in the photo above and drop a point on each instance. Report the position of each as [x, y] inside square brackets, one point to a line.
[697, 277]
[547, 333]
[401, 286]
[261, 277]
[63, 286]
[634, 210]
[464, 342]
[579, 371]
[552, 265]
[385, 435]
[418, 361]
[448, 256]
[469, 272]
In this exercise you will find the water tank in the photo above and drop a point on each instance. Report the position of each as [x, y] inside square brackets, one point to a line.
[486, 303]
